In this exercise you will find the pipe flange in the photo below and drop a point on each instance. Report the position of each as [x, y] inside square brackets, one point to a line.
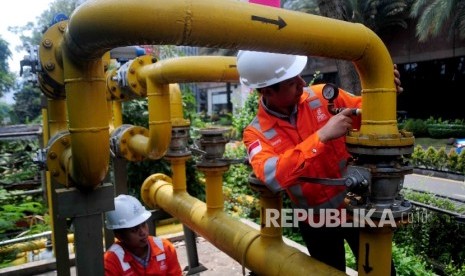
[113, 89]
[51, 64]
[54, 152]
[401, 141]
[398, 208]
[120, 141]
[148, 182]
[49, 88]
[379, 151]
[128, 79]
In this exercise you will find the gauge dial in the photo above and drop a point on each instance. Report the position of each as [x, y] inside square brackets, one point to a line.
[330, 91]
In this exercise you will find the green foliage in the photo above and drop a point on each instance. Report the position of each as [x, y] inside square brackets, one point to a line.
[408, 263]
[436, 16]
[446, 130]
[427, 230]
[32, 32]
[20, 213]
[135, 112]
[350, 258]
[27, 104]
[6, 77]
[417, 126]
[437, 159]
[5, 111]
[436, 128]
[236, 180]
[245, 114]
[16, 161]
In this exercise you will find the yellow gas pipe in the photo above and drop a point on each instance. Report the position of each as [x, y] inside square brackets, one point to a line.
[88, 38]
[88, 126]
[56, 122]
[117, 113]
[176, 25]
[249, 242]
[156, 81]
[29, 245]
[56, 116]
[241, 242]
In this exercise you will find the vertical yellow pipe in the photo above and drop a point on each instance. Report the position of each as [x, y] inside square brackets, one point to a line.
[110, 116]
[117, 113]
[56, 122]
[177, 114]
[57, 116]
[46, 173]
[158, 98]
[375, 251]
[214, 187]
[270, 201]
[45, 129]
[178, 166]
[85, 87]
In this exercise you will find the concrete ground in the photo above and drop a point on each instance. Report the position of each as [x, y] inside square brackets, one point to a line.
[211, 261]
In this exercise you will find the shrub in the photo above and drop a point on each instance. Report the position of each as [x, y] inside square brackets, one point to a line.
[438, 159]
[427, 231]
[417, 126]
[438, 128]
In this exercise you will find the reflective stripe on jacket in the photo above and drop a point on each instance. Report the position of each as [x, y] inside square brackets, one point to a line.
[163, 260]
[280, 153]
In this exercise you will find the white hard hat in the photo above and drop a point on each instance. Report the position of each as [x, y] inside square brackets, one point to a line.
[262, 69]
[128, 213]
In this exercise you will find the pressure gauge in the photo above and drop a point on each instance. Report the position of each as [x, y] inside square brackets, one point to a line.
[330, 91]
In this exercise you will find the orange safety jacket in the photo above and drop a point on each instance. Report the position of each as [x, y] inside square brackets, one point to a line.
[280, 152]
[163, 260]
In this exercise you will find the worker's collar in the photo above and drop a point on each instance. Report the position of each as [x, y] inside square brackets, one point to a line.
[289, 118]
[143, 261]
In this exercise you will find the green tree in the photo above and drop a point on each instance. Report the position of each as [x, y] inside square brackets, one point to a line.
[5, 110]
[375, 14]
[27, 104]
[435, 16]
[6, 77]
[31, 33]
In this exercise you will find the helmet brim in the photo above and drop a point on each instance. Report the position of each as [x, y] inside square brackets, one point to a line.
[297, 67]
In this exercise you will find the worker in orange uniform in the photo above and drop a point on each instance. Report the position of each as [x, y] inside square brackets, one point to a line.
[294, 135]
[136, 252]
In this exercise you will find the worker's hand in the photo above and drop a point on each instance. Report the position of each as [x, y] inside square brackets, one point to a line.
[337, 126]
[397, 80]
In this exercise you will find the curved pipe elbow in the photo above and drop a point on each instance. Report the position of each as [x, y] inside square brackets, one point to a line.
[234, 29]
[177, 113]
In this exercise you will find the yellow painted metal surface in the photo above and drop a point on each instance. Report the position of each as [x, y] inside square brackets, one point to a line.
[74, 60]
[88, 123]
[375, 251]
[264, 256]
[177, 115]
